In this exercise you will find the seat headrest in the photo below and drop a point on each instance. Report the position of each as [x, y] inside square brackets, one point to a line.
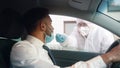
[10, 24]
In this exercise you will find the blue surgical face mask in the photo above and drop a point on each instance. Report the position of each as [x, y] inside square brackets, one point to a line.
[49, 38]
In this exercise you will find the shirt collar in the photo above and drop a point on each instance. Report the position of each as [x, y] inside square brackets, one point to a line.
[34, 40]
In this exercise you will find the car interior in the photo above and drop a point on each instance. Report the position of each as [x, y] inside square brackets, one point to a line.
[104, 13]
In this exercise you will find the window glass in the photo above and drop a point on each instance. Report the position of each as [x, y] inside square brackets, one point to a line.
[66, 26]
[110, 8]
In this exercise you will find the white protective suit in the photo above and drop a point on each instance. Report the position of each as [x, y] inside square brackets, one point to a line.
[78, 37]
[79, 40]
[98, 39]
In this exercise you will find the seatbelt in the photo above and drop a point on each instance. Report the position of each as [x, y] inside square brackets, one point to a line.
[50, 54]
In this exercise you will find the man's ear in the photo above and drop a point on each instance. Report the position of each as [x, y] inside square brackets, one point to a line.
[42, 26]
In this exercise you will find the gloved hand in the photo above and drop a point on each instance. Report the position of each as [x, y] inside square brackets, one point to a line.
[60, 38]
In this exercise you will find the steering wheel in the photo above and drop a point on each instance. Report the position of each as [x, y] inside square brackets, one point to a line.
[116, 64]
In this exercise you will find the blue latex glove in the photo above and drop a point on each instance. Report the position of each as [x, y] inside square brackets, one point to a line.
[60, 38]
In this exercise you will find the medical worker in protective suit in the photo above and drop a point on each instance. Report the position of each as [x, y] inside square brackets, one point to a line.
[87, 37]
[99, 40]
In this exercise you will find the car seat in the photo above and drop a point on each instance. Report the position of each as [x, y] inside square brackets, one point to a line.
[10, 29]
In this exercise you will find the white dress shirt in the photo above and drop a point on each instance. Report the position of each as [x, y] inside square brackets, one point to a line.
[30, 54]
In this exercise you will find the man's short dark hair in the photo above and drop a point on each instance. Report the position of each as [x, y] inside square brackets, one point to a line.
[31, 17]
